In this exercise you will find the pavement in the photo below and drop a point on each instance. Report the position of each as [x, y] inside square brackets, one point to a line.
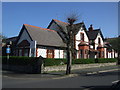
[60, 74]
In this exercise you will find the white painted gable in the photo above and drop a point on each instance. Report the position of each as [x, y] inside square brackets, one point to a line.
[96, 40]
[78, 37]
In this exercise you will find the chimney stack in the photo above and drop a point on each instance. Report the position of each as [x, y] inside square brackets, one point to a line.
[90, 28]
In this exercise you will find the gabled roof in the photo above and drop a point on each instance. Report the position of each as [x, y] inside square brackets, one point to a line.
[63, 28]
[78, 26]
[61, 24]
[93, 34]
[44, 36]
[64, 25]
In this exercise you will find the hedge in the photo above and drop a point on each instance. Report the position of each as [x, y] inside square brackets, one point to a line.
[52, 62]
[107, 60]
[83, 61]
[15, 60]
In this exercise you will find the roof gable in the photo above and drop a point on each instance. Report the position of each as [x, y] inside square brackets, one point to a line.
[21, 32]
[93, 34]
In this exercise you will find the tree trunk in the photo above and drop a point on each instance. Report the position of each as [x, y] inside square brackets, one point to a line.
[69, 61]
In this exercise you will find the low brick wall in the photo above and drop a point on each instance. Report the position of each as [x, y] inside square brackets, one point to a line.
[80, 66]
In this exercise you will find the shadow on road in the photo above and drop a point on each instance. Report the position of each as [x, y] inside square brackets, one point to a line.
[97, 88]
[115, 86]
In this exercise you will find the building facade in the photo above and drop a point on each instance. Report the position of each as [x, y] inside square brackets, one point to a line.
[50, 42]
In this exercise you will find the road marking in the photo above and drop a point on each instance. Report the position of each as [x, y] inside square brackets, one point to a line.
[67, 76]
[92, 73]
[116, 81]
[102, 71]
[108, 70]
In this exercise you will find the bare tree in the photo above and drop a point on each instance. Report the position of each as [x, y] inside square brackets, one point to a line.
[68, 38]
[70, 43]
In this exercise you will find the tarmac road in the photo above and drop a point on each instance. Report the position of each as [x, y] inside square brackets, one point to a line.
[90, 78]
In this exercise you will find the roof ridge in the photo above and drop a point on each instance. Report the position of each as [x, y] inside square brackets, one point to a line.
[40, 27]
[93, 30]
[60, 21]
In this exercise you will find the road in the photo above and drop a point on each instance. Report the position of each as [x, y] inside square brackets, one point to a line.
[88, 80]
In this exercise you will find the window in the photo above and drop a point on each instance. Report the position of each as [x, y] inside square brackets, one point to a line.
[20, 52]
[86, 51]
[82, 36]
[99, 41]
[102, 54]
[26, 52]
[64, 54]
[81, 53]
[50, 53]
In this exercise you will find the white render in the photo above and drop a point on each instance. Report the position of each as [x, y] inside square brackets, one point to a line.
[78, 38]
[77, 55]
[105, 51]
[113, 54]
[109, 54]
[58, 54]
[116, 54]
[96, 41]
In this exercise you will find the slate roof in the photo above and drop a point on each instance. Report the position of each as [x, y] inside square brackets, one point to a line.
[61, 24]
[93, 34]
[44, 36]
[64, 25]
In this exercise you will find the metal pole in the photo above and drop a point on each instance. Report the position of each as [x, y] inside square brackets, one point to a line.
[8, 56]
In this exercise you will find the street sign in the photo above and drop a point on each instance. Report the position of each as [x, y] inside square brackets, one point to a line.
[7, 50]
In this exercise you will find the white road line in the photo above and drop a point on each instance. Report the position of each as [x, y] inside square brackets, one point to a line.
[92, 73]
[115, 81]
[108, 70]
[102, 71]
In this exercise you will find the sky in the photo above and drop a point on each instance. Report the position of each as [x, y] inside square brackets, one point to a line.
[103, 15]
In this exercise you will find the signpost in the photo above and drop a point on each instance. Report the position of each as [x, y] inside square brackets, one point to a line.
[8, 51]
